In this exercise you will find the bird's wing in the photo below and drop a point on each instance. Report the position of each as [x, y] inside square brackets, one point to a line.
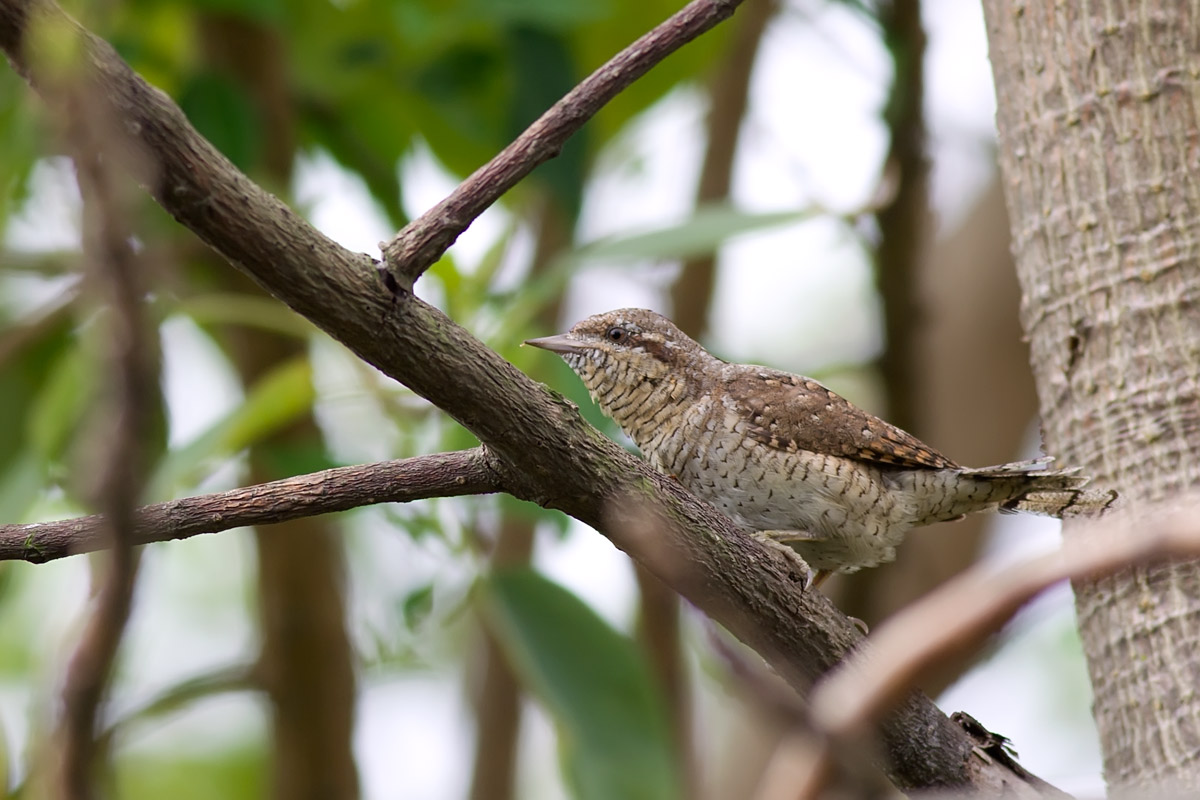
[791, 412]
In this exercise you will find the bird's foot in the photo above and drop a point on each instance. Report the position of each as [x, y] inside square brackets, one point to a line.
[804, 572]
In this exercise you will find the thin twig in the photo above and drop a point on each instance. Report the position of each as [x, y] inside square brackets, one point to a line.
[961, 614]
[463, 472]
[219, 680]
[425, 239]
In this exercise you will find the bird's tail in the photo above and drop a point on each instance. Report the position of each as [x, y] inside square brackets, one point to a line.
[1029, 486]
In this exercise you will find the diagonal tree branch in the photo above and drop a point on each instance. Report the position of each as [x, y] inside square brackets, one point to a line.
[464, 472]
[423, 240]
[541, 448]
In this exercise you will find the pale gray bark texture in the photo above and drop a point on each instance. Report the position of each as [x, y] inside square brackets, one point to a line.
[1100, 146]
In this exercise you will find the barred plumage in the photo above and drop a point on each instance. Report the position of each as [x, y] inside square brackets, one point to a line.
[785, 456]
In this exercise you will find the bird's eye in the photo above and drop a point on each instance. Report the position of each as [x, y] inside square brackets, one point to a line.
[615, 334]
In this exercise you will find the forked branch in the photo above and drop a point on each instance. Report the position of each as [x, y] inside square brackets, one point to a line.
[423, 240]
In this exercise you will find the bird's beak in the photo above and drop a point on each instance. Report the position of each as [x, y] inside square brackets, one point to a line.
[563, 343]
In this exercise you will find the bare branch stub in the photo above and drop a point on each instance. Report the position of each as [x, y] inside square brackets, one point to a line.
[423, 241]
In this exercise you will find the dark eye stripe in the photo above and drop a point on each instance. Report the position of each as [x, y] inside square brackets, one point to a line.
[658, 350]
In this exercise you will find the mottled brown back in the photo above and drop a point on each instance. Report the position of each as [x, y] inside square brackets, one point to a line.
[790, 412]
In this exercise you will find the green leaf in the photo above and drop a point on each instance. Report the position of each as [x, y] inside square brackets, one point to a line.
[253, 311]
[21, 485]
[551, 14]
[285, 394]
[233, 773]
[27, 370]
[296, 458]
[20, 141]
[342, 141]
[415, 520]
[268, 11]
[703, 233]
[181, 696]
[63, 398]
[223, 113]
[417, 606]
[613, 733]
[275, 401]
[544, 72]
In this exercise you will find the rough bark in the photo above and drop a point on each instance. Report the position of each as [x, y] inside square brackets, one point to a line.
[753, 590]
[1097, 116]
[454, 474]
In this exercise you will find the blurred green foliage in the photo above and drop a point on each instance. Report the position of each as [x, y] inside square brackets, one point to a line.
[614, 739]
[238, 773]
[369, 83]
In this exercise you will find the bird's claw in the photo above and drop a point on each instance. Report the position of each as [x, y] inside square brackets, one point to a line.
[807, 576]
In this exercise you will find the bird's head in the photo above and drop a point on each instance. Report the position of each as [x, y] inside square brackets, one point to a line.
[625, 348]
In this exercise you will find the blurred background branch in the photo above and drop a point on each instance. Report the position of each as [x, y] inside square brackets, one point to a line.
[114, 460]
[961, 614]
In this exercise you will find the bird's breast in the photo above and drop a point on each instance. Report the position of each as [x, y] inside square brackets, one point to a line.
[857, 513]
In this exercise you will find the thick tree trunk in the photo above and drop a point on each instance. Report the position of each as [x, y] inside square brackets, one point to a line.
[1098, 131]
